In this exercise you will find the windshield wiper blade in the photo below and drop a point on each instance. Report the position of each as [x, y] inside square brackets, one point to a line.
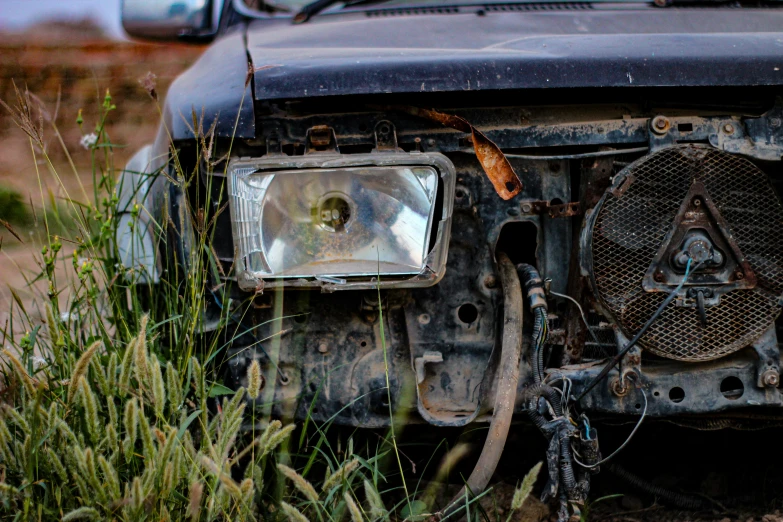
[313, 8]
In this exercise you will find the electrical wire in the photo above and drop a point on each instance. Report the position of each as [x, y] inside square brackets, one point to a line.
[616, 359]
[596, 154]
[581, 312]
[624, 444]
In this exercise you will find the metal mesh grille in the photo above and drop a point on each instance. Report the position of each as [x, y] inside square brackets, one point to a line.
[629, 230]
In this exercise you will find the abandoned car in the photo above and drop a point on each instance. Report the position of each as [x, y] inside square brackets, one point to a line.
[460, 211]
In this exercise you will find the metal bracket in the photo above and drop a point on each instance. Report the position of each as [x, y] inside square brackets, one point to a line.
[761, 138]
[554, 211]
[630, 367]
[768, 366]
[321, 138]
[273, 145]
[386, 137]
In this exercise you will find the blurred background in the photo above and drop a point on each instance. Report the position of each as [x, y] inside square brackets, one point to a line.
[67, 53]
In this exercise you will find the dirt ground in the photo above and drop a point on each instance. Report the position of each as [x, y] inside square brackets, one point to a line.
[69, 68]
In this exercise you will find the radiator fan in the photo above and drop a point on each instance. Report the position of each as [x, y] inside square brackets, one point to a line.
[682, 208]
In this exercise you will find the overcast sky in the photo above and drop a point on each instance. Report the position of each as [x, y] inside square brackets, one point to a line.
[16, 14]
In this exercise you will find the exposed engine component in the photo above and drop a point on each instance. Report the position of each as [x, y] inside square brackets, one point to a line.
[686, 203]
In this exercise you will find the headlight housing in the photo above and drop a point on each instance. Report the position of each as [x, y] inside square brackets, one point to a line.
[341, 221]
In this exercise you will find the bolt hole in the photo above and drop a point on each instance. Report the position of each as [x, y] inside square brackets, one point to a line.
[459, 193]
[556, 201]
[676, 394]
[510, 186]
[300, 318]
[363, 343]
[657, 394]
[467, 313]
[638, 406]
[732, 388]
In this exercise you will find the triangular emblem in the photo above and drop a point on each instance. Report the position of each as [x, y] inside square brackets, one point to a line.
[699, 232]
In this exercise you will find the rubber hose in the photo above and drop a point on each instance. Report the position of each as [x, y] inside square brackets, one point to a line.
[566, 462]
[533, 285]
[679, 500]
[542, 390]
[538, 359]
[506, 391]
[529, 276]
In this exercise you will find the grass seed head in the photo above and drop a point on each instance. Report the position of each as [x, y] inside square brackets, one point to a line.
[299, 482]
[126, 368]
[254, 379]
[83, 513]
[196, 491]
[141, 357]
[90, 404]
[377, 509]
[523, 491]
[356, 514]
[81, 368]
[27, 381]
[158, 388]
[293, 514]
[341, 474]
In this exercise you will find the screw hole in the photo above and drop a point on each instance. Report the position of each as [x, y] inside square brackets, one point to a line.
[510, 186]
[676, 394]
[363, 343]
[732, 388]
[467, 313]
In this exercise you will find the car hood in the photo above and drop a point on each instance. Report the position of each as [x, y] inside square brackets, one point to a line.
[603, 46]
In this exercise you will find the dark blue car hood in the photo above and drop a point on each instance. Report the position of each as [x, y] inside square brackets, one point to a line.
[607, 45]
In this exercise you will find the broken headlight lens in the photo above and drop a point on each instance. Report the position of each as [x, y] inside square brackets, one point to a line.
[343, 223]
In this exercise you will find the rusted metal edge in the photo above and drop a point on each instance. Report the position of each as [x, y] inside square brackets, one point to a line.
[554, 211]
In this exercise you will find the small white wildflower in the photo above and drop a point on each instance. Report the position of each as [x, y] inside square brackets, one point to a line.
[88, 141]
[38, 362]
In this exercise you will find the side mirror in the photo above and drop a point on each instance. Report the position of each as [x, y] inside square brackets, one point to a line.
[171, 19]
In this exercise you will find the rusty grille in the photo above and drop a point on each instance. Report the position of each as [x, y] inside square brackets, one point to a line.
[631, 224]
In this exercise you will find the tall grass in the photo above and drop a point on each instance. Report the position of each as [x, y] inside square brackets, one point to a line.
[109, 406]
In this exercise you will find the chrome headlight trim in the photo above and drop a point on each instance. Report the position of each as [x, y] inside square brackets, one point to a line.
[250, 271]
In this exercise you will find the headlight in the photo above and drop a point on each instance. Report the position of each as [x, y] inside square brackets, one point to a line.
[341, 221]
